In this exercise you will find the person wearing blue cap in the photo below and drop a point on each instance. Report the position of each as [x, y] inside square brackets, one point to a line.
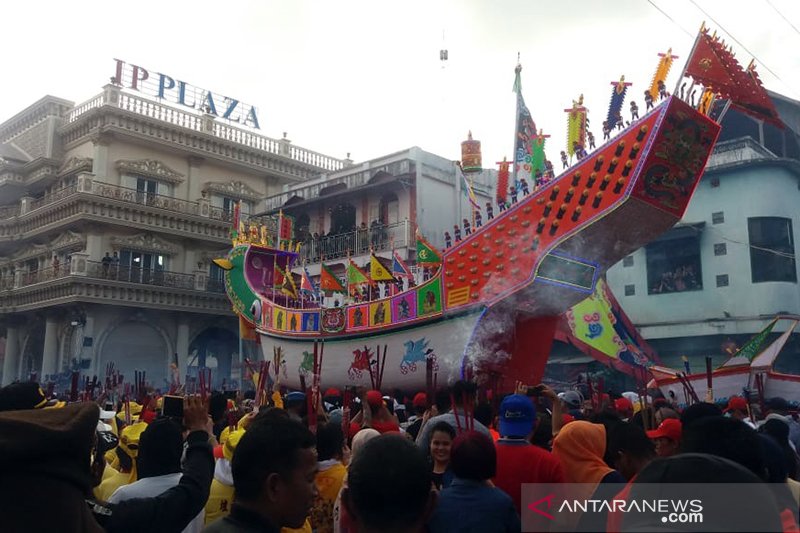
[295, 404]
[518, 461]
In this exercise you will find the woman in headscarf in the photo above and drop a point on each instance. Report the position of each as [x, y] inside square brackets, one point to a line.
[580, 446]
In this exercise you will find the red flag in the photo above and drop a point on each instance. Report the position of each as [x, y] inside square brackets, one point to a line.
[329, 282]
[502, 180]
[714, 66]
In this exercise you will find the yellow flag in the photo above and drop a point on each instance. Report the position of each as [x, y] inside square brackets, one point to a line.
[377, 271]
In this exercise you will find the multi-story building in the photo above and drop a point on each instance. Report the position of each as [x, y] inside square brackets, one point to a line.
[110, 213]
[377, 207]
[720, 275]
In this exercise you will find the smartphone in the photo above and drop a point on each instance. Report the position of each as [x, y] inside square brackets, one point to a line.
[172, 407]
[536, 390]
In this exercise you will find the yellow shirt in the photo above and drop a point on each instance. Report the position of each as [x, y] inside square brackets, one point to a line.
[329, 483]
[219, 501]
[111, 483]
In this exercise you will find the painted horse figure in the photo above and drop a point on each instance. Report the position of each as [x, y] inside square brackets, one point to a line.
[416, 352]
[361, 363]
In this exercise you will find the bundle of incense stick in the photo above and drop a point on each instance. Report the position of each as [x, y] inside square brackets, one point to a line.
[347, 399]
[277, 363]
[590, 389]
[760, 390]
[127, 406]
[314, 398]
[469, 409]
[262, 379]
[204, 381]
[73, 390]
[231, 421]
[709, 379]
[377, 368]
[429, 389]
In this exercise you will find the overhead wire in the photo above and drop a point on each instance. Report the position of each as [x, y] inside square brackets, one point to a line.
[783, 17]
[671, 19]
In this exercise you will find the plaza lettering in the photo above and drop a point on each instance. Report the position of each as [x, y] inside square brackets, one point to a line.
[166, 87]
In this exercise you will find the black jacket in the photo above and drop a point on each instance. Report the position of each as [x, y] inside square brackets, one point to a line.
[171, 511]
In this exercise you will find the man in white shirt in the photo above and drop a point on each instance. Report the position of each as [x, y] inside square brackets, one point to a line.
[158, 466]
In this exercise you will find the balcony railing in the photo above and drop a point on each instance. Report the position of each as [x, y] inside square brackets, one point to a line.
[193, 121]
[99, 270]
[357, 242]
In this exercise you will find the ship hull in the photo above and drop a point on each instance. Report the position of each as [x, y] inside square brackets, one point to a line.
[344, 359]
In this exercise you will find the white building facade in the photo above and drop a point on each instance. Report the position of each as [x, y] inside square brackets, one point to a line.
[720, 275]
[151, 185]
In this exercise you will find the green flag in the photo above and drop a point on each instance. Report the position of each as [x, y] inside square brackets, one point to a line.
[356, 276]
[753, 347]
[426, 253]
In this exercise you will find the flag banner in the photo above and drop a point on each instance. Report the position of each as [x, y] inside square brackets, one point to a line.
[752, 348]
[305, 281]
[288, 287]
[286, 230]
[525, 132]
[662, 70]
[538, 159]
[714, 66]
[469, 192]
[356, 276]
[328, 280]
[599, 327]
[246, 331]
[237, 216]
[502, 181]
[615, 106]
[426, 253]
[377, 271]
[399, 268]
[576, 127]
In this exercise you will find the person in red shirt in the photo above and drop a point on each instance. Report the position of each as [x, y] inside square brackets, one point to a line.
[518, 461]
[374, 414]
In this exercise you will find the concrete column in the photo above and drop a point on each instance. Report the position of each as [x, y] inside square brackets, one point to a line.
[50, 352]
[11, 362]
[25, 204]
[100, 162]
[182, 347]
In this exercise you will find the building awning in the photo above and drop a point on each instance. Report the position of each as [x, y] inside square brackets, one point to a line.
[682, 231]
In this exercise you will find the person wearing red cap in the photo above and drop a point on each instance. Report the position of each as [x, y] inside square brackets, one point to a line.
[420, 404]
[667, 437]
[374, 414]
[624, 408]
[738, 409]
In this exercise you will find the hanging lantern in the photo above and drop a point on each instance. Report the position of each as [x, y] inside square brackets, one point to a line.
[471, 155]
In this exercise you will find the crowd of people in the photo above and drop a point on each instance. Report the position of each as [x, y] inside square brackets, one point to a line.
[682, 278]
[364, 461]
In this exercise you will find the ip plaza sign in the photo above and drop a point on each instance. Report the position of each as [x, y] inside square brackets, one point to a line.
[168, 88]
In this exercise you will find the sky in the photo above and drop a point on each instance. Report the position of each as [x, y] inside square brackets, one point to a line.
[365, 78]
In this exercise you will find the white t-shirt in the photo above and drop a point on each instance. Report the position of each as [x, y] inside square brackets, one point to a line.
[151, 487]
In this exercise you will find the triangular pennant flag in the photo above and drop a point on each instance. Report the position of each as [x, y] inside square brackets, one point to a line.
[356, 276]
[426, 253]
[328, 280]
[754, 346]
[377, 271]
[288, 287]
[305, 281]
[399, 268]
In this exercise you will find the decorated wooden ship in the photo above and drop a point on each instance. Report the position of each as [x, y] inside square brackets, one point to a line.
[495, 299]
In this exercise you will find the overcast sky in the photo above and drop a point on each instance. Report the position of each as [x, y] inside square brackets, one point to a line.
[365, 77]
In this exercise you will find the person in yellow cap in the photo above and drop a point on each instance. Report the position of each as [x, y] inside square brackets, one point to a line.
[126, 452]
[221, 495]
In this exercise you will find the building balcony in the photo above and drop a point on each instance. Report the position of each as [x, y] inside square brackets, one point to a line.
[357, 243]
[124, 114]
[94, 282]
[105, 203]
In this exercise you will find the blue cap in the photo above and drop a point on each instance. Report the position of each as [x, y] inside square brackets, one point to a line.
[517, 415]
[295, 396]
